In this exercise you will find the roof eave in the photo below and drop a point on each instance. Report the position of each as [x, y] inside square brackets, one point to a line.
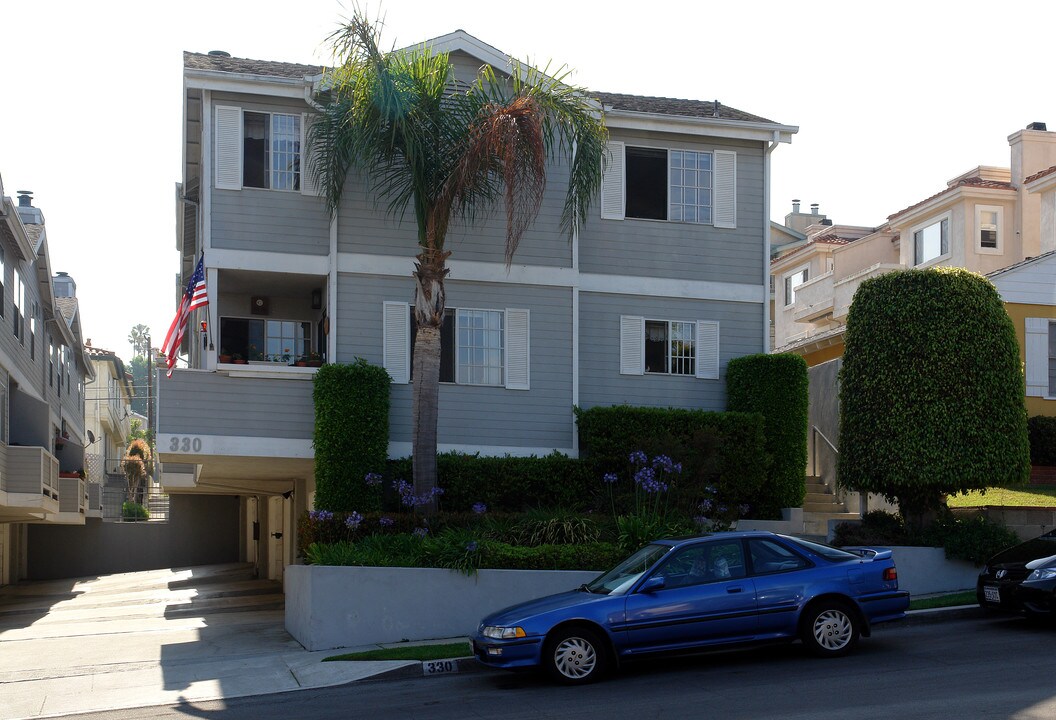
[714, 127]
[248, 83]
[947, 197]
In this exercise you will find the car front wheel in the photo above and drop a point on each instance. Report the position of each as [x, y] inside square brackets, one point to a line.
[830, 629]
[576, 656]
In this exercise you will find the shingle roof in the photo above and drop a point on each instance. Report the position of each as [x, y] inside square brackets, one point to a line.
[826, 239]
[67, 306]
[1021, 263]
[674, 106]
[33, 232]
[1043, 173]
[266, 68]
[966, 182]
[618, 101]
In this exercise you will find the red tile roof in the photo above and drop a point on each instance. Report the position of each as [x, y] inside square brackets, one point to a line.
[966, 182]
[1041, 174]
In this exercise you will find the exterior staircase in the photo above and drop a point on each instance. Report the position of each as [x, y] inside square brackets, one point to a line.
[820, 506]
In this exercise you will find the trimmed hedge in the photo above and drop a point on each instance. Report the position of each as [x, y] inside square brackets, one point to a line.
[351, 433]
[508, 484]
[931, 389]
[725, 451]
[1042, 432]
[776, 387]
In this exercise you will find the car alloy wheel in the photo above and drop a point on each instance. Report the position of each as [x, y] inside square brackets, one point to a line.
[576, 656]
[830, 630]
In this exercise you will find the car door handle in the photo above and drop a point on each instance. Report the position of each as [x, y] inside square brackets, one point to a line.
[734, 589]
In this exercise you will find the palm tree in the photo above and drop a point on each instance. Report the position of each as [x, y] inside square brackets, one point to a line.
[137, 338]
[447, 151]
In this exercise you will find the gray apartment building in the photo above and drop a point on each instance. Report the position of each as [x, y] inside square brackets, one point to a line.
[663, 285]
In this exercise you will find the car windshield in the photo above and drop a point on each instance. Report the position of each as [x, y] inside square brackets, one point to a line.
[620, 579]
[826, 551]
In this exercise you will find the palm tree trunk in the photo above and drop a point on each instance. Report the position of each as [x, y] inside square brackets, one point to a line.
[429, 273]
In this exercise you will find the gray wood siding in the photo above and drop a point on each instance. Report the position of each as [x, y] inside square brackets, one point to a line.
[475, 415]
[685, 251]
[270, 221]
[600, 381]
[209, 403]
[365, 227]
[267, 220]
[26, 469]
[18, 351]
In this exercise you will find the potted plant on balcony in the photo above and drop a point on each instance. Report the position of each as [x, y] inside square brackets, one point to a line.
[237, 359]
[255, 354]
[225, 356]
[314, 359]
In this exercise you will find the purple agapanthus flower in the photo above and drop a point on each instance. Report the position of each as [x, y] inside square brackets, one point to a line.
[705, 506]
[420, 533]
[610, 478]
[372, 479]
[480, 508]
[471, 546]
[638, 458]
[353, 520]
[386, 521]
[321, 515]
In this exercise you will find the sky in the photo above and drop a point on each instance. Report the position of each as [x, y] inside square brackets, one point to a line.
[891, 99]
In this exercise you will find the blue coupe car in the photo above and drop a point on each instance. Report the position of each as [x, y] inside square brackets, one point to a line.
[692, 594]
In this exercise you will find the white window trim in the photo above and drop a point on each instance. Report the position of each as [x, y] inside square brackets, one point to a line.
[1036, 356]
[458, 324]
[1000, 249]
[786, 301]
[229, 147]
[948, 217]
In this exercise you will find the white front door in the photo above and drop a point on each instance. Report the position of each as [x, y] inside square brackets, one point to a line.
[277, 531]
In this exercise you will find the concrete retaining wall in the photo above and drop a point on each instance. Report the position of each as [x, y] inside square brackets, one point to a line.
[925, 570]
[1026, 522]
[339, 607]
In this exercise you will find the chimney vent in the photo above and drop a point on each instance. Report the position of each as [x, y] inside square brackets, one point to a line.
[813, 208]
[219, 53]
[25, 198]
[795, 206]
[65, 286]
[1037, 126]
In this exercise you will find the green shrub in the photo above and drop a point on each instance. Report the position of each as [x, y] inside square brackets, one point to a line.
[930, 372]
[560, 527]
[1042, 433]
[776, 387]
[507, 484]
[876, 527]
[723, 455]
[133, 511]
[351, 434]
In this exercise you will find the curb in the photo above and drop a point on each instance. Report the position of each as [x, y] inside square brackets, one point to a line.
[937, 615]
[462, 665]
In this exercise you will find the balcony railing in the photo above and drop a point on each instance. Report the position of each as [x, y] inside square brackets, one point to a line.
[32, 479]
[813, 299]
[73, 495]
[843, 290]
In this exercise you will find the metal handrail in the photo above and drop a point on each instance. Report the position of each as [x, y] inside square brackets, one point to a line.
[814, 448]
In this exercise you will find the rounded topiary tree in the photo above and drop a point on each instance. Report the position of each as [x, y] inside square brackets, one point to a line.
[931, 390]
[776, 387]
[351, 435]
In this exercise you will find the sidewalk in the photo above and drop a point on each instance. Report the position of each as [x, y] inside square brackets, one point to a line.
[152, 638]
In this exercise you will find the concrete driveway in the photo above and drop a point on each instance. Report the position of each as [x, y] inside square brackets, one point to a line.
[152, 638]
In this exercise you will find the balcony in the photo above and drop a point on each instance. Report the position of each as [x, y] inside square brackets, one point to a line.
[843, 290]
[813, 299]
[95, 500]
[73, 500]
[236, 431]
[29, 489]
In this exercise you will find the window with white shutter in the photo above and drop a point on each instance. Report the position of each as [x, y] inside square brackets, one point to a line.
[669, 347]
[707, 349]
[397, 341]
[632, 345]
[228, 147]
[517, 349]
[725, 192]
[308, 186]
[612, 182]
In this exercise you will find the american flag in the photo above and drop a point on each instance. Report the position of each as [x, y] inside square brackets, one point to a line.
[194, 297]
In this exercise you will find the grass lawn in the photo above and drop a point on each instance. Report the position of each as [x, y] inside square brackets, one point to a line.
[410, 652]
[940, 601]
[1028, 496]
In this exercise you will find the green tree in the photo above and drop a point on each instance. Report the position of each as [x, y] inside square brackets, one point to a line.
[931, 390]
[138, 366]
[448, 151]
[137, 338]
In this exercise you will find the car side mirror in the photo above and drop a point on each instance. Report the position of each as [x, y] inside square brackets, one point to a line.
[653, 584]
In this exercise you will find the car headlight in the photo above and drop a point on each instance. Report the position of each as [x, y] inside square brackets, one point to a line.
[1042, 574]
[503, 633]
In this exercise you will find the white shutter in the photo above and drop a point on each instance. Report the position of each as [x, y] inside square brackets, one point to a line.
[308, 186]
[707, 350]
[228, 148]
[397, 341]
[1036, 354]
[613, 184]
[724, 199]
[632, 345]
[517, 365]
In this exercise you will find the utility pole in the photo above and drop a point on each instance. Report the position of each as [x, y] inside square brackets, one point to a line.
[150, 385]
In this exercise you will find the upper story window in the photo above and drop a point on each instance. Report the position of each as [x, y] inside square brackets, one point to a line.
[670, 347]
[33, 332]
[19, 307]
[988, 220]
[650, 183]
[258, 340]
[793, 281]
[271, 151]
[931, 242]
[3, 278]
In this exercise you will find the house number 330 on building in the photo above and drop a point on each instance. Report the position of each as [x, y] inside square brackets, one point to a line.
[185, 444]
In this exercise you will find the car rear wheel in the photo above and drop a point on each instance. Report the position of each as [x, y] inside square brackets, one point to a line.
[830, 629]
[576, 656]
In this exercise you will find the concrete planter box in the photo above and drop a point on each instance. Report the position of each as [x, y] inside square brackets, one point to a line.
[925, 570]
[337, 607]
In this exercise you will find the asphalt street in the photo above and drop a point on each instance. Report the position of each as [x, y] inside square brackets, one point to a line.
[964, 668]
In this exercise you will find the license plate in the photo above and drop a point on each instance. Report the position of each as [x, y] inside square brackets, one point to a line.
[991, 594]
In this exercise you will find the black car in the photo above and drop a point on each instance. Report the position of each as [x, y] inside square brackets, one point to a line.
[1021, 579]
